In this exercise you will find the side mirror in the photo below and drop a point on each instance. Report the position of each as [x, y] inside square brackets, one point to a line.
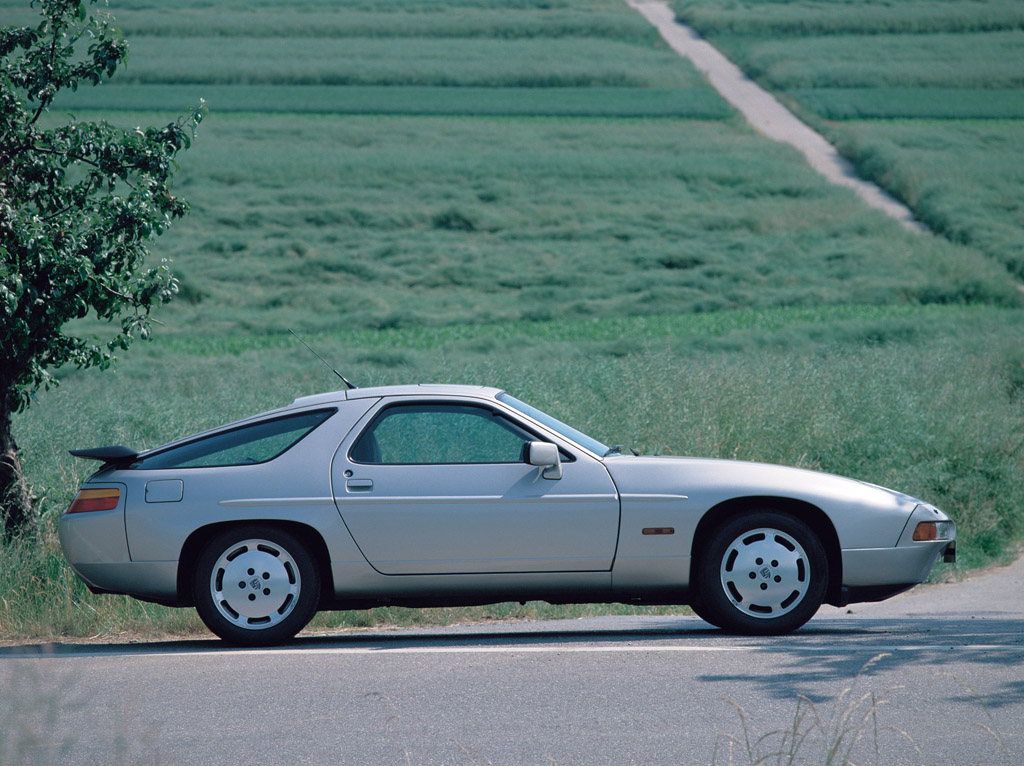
[544, 455]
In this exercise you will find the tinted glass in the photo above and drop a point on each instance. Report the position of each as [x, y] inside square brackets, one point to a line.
[256, 443]
[556, 425]
[438, 433]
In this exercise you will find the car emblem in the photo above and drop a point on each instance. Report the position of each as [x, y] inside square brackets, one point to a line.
[766, 573]
[255, 583]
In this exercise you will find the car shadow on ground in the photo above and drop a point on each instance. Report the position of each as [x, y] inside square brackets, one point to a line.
[997, 639]
[825, 654]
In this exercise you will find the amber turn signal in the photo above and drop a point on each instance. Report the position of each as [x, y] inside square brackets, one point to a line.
[926, 531]
[95, 500]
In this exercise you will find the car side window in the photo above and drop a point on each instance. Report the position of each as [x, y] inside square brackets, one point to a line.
[255, 443]
[440, 433]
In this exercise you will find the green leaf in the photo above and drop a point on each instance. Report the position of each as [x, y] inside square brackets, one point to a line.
[81, 200]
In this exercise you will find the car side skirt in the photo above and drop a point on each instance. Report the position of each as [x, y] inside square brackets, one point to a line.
[355, 581]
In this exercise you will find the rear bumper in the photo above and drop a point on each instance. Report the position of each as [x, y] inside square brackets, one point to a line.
[146, 580]
[96, 547]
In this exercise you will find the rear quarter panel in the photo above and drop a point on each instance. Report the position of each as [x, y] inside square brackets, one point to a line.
[293, 487]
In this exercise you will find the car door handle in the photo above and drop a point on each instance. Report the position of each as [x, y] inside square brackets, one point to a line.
[359, 485]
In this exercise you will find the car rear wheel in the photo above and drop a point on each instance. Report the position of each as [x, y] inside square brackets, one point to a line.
[764, 573]
[256, 585]
[698, 608]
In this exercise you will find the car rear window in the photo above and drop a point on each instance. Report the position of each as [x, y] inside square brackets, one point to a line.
[246, 445]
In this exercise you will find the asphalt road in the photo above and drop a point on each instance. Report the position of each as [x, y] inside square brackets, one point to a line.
[942, 667]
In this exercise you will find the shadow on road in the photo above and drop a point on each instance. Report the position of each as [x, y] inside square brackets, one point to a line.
[826, 655]
[909, 640]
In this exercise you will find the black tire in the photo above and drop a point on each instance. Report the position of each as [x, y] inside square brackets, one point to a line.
[256, 585]
[698, 608]
[763, 573]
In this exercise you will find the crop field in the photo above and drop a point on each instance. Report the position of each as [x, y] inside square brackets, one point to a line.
[384, 221]
[539, 195]
[926, 98]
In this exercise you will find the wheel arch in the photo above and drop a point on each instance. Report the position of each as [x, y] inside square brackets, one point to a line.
[808, 513]
[194, 544]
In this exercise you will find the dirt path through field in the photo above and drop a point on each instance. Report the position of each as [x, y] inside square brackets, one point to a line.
[766, 114]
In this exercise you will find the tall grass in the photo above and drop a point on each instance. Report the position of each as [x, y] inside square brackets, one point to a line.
[598, 20]
[962, 60]
[698, 102]
[931, 164]
[837, 737]
[919, 103]
[984, 60]
[319, 223]
[778, 18]
[876, 397]
[562, 62]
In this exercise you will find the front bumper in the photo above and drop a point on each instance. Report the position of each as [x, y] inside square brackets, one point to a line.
[873, 574]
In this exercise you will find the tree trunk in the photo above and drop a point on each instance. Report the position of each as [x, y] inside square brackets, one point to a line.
[15, 498]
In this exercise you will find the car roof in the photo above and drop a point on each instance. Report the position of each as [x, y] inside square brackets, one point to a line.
[334, 397]
[376, 392]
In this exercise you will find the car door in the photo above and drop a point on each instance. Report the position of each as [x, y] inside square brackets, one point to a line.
[435, 487]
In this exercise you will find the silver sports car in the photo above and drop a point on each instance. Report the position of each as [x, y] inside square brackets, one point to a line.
[457, 495]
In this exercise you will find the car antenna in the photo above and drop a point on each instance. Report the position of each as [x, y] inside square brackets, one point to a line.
[314, 353]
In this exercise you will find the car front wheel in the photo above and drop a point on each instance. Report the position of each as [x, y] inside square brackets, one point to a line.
[256, 585]
[763, 573]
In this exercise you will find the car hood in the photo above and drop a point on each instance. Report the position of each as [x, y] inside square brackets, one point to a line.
[715, 480]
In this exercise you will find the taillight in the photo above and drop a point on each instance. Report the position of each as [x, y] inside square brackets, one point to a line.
[95, 500]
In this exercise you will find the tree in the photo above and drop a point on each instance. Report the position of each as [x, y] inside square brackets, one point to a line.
[79, 203]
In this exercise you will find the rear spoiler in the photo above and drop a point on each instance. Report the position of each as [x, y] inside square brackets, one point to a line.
[115, 455]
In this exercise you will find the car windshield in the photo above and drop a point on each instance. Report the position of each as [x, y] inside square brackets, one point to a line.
[555, 425]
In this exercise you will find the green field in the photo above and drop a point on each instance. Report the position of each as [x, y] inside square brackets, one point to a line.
[376, 221]
[539, 195]
[926, 98]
